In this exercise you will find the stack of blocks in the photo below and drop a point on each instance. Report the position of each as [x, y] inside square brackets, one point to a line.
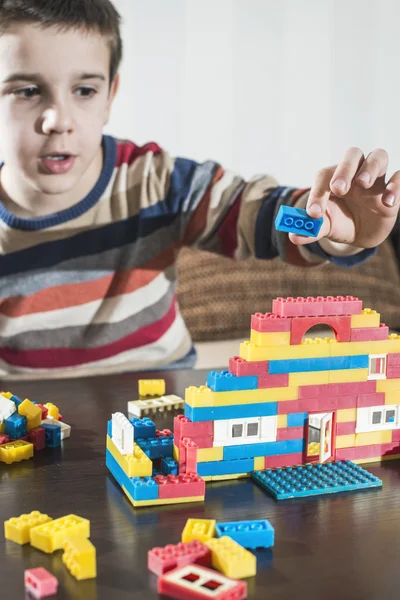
[288, 400]
[26, 427]
[184, 569]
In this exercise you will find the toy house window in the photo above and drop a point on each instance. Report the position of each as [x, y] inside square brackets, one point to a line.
[252, 430]
[237, 431]
[377, 366]
[378, 418]
[249, 430]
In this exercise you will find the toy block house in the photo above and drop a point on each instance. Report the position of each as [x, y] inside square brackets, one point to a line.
[290, 400]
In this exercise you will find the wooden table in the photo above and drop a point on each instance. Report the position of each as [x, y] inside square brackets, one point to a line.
[343, 547]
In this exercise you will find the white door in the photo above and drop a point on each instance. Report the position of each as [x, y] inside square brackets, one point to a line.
[325, 442]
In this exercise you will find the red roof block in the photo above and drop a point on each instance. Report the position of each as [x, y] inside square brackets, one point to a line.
[316, 306]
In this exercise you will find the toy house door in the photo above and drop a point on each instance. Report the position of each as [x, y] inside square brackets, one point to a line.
[320, 437]
[325, 442]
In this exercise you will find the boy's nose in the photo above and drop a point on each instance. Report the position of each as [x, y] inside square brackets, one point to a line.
[56, 119]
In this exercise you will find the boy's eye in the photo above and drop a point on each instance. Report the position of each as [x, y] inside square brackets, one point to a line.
[27, 92]
[86, 92]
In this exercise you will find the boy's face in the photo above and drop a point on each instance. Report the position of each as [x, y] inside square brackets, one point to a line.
[54, 100]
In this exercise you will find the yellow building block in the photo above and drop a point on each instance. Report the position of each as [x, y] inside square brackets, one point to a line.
[259, 463]
[32, 412]
[6, 394]
[251, 352]
[151, 387]
[367, 318]
[198, 529]
[137, 464]
[392, 397]
[79, 557]
[281, 338]
[308, 378]
[373, 437]
[52, 410]
[210, 454]
[2, 427]
[17, 529]
[345, 441]
[282, 421]
[203, 396]
[379, 347]
[50, 536]
[162, 502]
[348, 375]
[15, 451]
[345, 415]
[231, 559]
[388, 385]
[175, 453]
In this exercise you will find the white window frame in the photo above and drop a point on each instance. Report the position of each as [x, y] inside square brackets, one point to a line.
[375, 376]
[365, 416]
[223, 429]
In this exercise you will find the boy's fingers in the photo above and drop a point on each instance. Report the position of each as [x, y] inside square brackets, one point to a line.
[391, 195]
[345, 171]
[320, 192]
[374, 166]
[302, 240]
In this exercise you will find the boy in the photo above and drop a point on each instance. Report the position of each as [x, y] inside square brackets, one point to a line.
[90, 226]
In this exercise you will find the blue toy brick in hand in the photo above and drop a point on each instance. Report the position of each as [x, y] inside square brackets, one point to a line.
[296, 220]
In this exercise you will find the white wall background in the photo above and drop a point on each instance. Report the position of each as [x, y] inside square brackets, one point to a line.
[277, 86]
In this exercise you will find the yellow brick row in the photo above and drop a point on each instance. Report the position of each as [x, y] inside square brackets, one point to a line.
[392, 397]
[373, 437]
[267, 339]
[346, 415]
[367, 318]
[345, 441]
[388, 385]
[137, 464]
[210, 454]
[50, 536]
[231, 558]
[348, 375]
[309, 378]
[205, 397]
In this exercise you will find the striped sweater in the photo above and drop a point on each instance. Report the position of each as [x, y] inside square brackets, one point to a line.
[92, 289]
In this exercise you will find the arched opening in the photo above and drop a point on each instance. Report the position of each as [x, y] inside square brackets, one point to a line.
[319, 331]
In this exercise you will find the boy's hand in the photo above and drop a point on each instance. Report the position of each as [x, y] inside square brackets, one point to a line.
[358, 207]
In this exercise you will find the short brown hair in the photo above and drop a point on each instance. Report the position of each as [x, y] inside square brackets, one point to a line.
[94, 15]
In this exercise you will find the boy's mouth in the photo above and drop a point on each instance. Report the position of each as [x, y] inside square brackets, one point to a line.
[57, 163]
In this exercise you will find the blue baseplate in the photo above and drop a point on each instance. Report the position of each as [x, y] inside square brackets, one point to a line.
[315, 479]
[249, 534]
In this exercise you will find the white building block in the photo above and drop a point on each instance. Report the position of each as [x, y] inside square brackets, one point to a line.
[122, 433]
[7, 408]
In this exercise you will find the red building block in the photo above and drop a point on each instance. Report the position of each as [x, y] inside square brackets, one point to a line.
[393, 359]
[346, 428]
[180, 486]
[373, 451]
[284, 460]
[163, 432]
[290, 433]
[40, 583]
[393, 372]
[201, 433]
[44, 411]
[273, 381]
[188, 455]
[172, 556]
[337, 389]
[369, 334]
[241, 367]
[194, 582]
[340, 325]
[269, 323]
[315, 307]
[365, 400]
[37, 437]
[4, 439]
[321, 404]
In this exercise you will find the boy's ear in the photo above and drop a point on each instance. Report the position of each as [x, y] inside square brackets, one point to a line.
[112, 93]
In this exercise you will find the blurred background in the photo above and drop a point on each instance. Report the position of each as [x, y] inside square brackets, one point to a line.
[278, 86]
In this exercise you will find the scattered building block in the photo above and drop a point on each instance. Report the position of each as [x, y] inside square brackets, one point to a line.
[37, 437]
[52, 410]
[32, 412]
[194, 582]
[15, 451]
[319, 306]
[17, 529]
[52, 434]
[16, 426]
[39, 583]
[49, 537]
[44, 410]
[138, 408]
[297, 220]
[249, 534]
[231, 558]
[79, 557]
[172, 556]
[151, 387]
[7, 407]
[199, 529]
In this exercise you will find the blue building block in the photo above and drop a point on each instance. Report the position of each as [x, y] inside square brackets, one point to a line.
[226, 382]
[169, 466]
[249, 534]
[143, 428]
[264, 449]
[18, 401]
[139, 488]
[161, 447]
[225, 467]
[303, 365]
[296, 220]
[315, 479]
[53, 435]
[297, 419]
[109, 429]
[16, 426]
[236, 411]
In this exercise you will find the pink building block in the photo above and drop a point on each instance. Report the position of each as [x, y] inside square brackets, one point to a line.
[284, 460]
[273, 381]
[4, 439]
[366, 400]
[369, 334]
[188, 450]
[44, 411]
[180, 486]
[241, 367]
[393, 359]
[269, 323]
[316, 404]
[396, 436]
[393, 372]
[290, 433]
[162, 560]
[337, 389]
[201, 433]
[373, 451]
[37, 437]
[40, 583]
[340, 325]
[346, 428]
[319, 306]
